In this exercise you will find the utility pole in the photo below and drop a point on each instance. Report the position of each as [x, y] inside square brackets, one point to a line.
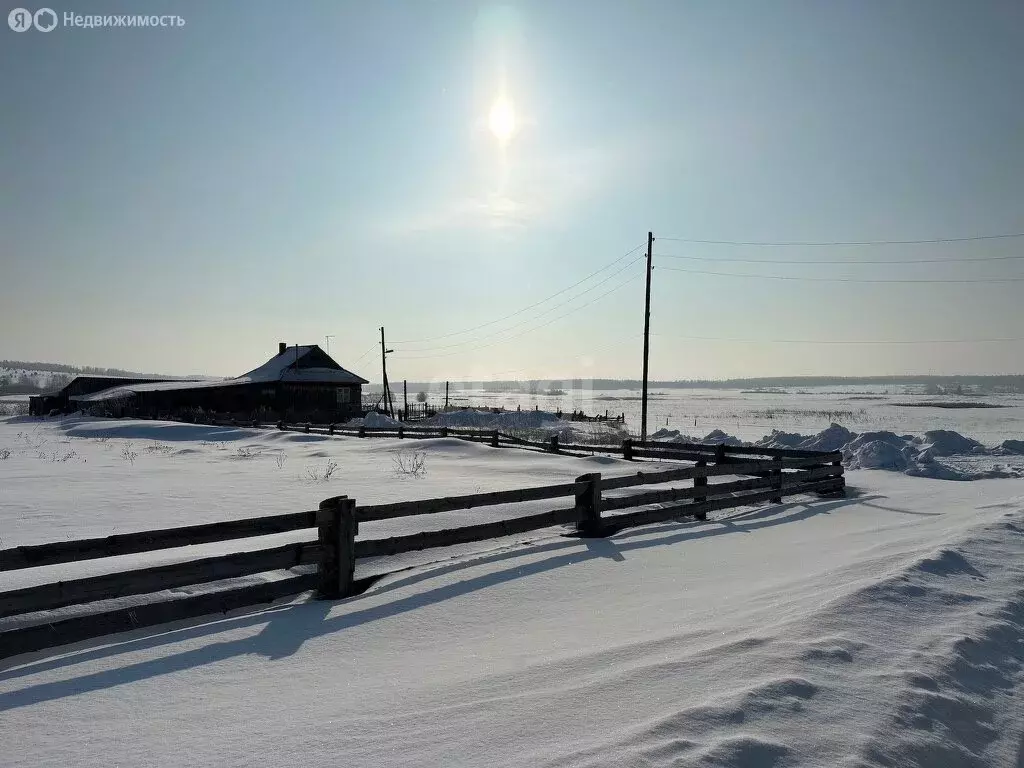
[389, 408]
[446, 395]
[647, 339]
[405, 399]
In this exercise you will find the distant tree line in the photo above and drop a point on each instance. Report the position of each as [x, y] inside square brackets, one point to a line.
[62, 368]
[16, 376]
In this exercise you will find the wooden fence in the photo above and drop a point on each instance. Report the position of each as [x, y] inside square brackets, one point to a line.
[629, 449]
[772, 474]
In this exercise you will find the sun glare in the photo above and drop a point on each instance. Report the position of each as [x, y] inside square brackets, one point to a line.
[502, 119]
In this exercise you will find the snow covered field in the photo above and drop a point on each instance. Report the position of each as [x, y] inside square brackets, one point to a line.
[750, 415]
[884, 629]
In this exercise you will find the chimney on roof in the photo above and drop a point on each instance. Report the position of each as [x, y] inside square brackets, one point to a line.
[281, 347]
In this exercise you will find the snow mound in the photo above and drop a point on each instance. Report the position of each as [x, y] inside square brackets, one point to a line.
[877, 454]
[967, 459]
[889, 438]
[944, 442]
[378, 420]
[528, 420]
[780, 439]
[374, 420]
[673, 436]
[715, 437]
[718, 437]
[831, 439]
[1014, 447]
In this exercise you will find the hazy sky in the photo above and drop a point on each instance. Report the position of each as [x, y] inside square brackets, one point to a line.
[181, 199]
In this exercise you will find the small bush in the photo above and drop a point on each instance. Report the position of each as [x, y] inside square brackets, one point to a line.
[129, 454]
[318, 476]
[58, 456]
[247, 452]
[280, 459]
[5, 453]
[410, 463]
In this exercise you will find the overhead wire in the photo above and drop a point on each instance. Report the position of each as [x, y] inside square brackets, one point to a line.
[628, 253]
[368, 351]
[847, 279]
[533, 317]
[802, 244]
[953, 260]
[527, 331]
[842, 341]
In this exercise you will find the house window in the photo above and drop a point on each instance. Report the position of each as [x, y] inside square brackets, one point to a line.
[344, 395]
[268, 392]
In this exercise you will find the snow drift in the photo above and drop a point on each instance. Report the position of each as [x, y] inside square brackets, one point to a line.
[916, 456]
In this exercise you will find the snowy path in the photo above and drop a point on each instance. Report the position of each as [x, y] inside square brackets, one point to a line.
[883, 629]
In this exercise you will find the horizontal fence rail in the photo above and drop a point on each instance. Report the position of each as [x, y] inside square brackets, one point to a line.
[450, 504]
[465, 534]
[147, 541]
[751, 476]
[146, 580]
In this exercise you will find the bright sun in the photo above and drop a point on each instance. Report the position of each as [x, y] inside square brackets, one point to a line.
[502, 119]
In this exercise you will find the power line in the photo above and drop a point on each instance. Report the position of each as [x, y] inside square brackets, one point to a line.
[534, 317]
[837, 261]
[528, 330]
[847, 279]
[628, 253]
[589, 351]
[795, 244]
[845, 341]
[368, 351]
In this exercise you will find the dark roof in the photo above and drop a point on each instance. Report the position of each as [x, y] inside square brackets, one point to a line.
[300, 364]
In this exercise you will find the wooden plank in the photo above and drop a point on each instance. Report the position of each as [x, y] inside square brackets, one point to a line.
[465, 535]
[649, 516]
[616, 449]
[672, 454]
[689, 473]
[73, 630]
[792, 480]
[745, 450]
[518, 440]
[146, 541]
[142, 581]
[452, 503]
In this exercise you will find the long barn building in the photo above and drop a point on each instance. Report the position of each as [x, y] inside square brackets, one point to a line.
[298, 383]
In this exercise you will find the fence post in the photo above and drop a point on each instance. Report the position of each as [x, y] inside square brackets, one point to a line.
[336, 533]
[307, 427]
[280, 425]
[554, 443]
[720, 453]
[444, 431]
[330, 429]
[362, 431]
[841, 490]
[627, 449]
[777, 481]
[588, 504]
[494, 439]
[701, 482]
[401, 432]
